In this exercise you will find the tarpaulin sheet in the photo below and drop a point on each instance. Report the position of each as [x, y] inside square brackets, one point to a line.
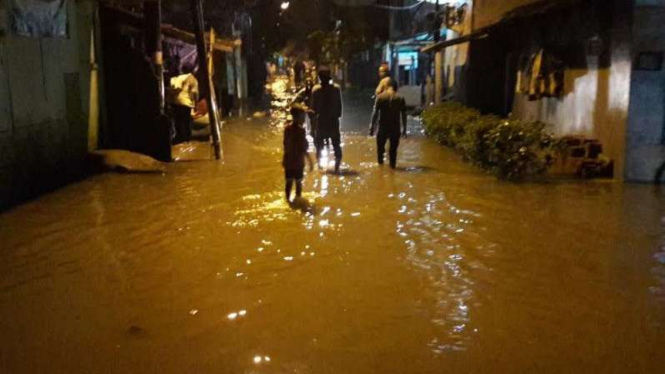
[179, 56]
[38, 18]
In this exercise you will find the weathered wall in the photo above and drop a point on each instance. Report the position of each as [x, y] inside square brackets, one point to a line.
[646, 123]
[597, 87]
[44, 92]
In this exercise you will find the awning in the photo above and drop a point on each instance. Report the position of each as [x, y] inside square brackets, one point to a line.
[480, 34]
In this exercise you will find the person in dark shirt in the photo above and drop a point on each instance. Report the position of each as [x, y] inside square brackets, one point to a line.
[389, 111]
[327, 107]
[295, 152]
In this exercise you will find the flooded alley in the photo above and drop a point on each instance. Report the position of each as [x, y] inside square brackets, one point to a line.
[431, 268]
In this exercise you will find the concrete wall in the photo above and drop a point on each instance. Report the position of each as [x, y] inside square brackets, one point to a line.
[646, 124]
[44, 107]
[574, 113]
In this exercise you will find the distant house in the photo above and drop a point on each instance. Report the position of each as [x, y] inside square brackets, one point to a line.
[409, 29]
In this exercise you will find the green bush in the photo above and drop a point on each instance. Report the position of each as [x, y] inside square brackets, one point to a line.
[446, 122]
[510, 149]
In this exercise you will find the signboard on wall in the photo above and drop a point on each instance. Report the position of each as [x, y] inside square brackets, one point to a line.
[38, 18]
[408, 59]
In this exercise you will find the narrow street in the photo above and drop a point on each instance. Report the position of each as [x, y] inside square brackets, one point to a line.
[431, 268]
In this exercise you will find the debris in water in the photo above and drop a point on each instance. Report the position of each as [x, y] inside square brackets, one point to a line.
[134, 330]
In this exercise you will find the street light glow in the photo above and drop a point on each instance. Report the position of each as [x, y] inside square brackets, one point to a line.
[285, 5]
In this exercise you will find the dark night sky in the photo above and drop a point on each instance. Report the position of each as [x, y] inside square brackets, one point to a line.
[274, 28]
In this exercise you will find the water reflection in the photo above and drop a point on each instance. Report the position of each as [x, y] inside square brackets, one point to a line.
[434, 266]
[433, 231]
[659, 270]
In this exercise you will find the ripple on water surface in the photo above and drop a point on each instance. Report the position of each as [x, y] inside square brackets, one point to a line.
[433, 265]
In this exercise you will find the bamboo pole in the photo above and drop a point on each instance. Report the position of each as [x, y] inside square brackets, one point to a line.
[211, 70]
[197, 15]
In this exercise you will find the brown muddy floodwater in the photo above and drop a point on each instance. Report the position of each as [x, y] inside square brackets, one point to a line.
[432, 268]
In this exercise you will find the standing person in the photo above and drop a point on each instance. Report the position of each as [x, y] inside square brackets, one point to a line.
[298, 72]
[295, 152]
[384, 79]
[184, 93]
[327, 107]
[389, 109]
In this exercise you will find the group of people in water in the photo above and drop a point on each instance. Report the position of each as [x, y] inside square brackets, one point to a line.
[322, 103]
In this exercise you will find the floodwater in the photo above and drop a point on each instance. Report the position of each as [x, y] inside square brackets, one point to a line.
[431, 268]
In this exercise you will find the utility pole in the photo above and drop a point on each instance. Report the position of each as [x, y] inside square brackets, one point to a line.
[197, 15]
[153, 19]
[161, 148]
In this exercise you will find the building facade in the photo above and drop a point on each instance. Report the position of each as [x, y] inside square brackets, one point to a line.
[48, 102]
[585, 56]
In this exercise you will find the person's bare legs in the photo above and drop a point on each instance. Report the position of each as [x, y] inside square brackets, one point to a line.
[392, 152]
[298, 187]
[337, 147]
[289, 187]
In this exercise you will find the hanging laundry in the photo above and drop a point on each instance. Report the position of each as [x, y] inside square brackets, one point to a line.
[523, 75]
[540, 76]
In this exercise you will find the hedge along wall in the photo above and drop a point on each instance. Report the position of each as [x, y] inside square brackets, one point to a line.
[510, 149]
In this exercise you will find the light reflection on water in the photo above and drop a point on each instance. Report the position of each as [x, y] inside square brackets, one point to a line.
[426, 267]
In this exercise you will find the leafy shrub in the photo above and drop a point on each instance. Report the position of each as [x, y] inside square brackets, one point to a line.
[446, 122]
[510, 149]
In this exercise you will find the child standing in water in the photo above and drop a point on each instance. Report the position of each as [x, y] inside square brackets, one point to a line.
[295, 152]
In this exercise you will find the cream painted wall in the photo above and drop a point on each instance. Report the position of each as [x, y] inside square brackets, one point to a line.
[572, 114]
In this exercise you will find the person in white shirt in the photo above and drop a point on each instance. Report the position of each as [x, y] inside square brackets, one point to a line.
[184, 96]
